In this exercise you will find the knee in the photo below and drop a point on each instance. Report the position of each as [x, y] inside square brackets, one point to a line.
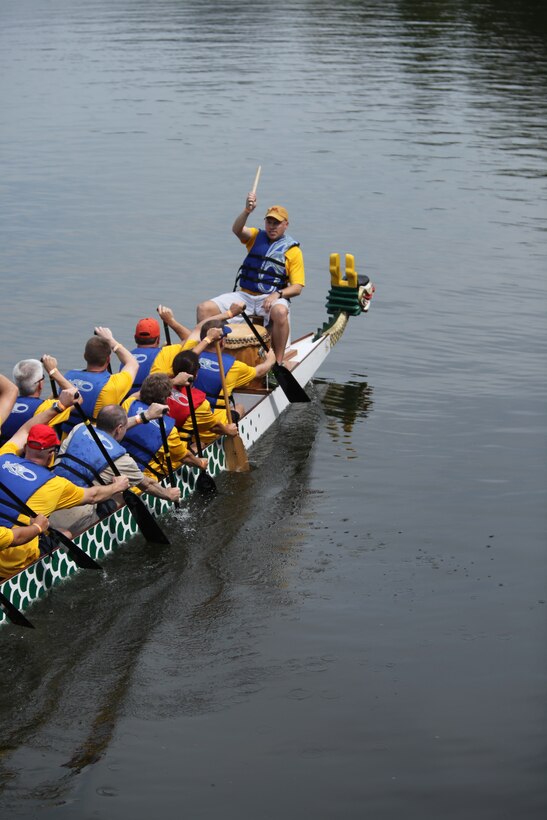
[279, 315]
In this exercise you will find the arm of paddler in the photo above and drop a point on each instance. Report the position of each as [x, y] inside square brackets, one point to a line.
[8, 397]
[127, 359]
[239, 227]
[50, 366]
[59, 418]
[154, 411]
[167, 316]
[18, 535]
[66, 400]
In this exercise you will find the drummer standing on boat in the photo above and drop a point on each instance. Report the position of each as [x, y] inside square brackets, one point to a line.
[271, 275]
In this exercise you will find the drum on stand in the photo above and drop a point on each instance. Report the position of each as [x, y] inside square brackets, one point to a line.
[243, 346]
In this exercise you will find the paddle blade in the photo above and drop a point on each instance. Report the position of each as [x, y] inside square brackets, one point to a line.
[147, 524]
[205, 483]
[236, 455]
[287, 382]
[14, 614]
[80, 558]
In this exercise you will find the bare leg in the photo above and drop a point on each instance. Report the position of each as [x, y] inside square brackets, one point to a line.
[279, 318]
[206, 310]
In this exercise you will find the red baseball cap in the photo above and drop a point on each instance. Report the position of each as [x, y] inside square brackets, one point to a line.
[42, 437]
[147, 328]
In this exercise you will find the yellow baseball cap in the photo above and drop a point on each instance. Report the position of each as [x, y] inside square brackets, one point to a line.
[277, 212]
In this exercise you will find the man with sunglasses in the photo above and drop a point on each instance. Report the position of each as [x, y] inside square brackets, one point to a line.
[271, 275]
[29, 376]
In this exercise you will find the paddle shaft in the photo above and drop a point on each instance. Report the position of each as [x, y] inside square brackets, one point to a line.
[194, 419]
[287, 382]
[165, 443]
[223, 382]
[14, 614]
[167, 332]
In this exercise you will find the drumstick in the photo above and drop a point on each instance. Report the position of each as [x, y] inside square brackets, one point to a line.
[257, 177]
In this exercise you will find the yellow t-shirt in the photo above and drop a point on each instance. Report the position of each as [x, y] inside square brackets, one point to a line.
[6, 537]
[114, 391]
[13, 559]
[293, 257]
[163, 363]
[206, 419]
[59, 418]
[177, 448]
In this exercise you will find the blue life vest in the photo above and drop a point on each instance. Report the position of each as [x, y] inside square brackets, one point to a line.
[264, 268]
[143, 441]
[90, 385]
[145, 357]
[208, 377]
[23, 478]
[83, 448]
[23, 409]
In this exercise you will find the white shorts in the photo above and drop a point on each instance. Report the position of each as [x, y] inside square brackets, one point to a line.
[253, 304]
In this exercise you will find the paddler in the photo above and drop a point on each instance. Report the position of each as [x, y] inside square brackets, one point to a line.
[28, 376]
[98, 387]
[24, 468]
[81, 461]
[271, 275]
[144, 442]
[210, 424]
[238, 374]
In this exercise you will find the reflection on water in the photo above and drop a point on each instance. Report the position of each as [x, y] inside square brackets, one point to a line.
[344, 405]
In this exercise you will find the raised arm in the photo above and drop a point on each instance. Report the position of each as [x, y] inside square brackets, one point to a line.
[50, 366]
[127, 360]
[239, 227]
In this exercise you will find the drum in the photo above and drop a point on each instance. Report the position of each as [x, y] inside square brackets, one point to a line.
[243, 346]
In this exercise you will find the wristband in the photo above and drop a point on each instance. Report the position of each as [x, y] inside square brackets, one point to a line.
[51, 372]
[116, 347]
[138, 419]
[38, 527]
[58, 406]
[207, 340]
[229, 314]
[143, 418]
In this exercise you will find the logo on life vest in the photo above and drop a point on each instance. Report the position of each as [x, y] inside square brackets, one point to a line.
[19, 407]
[19, 470]
[140, 357]
[85, 387]
[207, 364]
[107, 443]
[179, 398]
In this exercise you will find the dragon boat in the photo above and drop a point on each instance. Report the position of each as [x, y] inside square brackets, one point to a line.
[349, 295]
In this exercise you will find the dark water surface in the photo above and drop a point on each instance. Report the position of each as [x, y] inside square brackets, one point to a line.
[357, 628]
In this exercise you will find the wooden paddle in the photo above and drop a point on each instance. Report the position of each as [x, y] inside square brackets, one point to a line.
[287, 382]
[146, 522]
[80, 558]
[205, 483]
[257, 177]
[234, 449]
